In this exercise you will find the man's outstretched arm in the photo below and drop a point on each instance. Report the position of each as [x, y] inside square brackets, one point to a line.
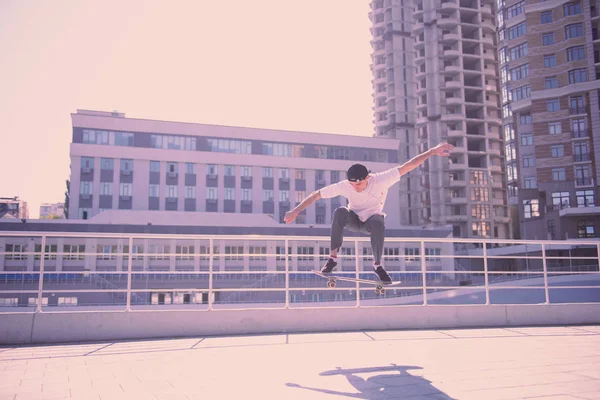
[442, 149]
[292, 214]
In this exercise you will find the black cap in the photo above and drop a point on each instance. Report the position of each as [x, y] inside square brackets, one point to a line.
[357, 173]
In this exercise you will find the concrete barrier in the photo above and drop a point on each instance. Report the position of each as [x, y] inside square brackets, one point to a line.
[96, 326]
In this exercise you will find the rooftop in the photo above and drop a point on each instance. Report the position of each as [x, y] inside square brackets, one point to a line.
[558, 363]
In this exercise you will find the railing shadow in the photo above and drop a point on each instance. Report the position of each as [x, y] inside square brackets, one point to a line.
[394, 380]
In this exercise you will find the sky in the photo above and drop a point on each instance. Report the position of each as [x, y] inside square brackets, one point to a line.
[278, 64]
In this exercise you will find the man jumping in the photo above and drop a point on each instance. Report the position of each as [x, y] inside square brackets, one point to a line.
[366, 194]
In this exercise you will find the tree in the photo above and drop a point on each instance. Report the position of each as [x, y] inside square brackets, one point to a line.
[67, 194]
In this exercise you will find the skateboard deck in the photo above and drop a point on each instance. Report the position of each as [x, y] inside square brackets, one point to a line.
[331, 281]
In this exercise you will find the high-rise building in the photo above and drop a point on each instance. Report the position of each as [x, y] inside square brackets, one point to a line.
[549, 55]
[120, 163]
[435, 78]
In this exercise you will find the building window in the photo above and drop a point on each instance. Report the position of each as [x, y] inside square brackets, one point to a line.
[230, 146]
[211, 193]
[154, 166]
[246, 194]
[551, 83]
[267, 172]
[154, 191]
[229, 194]
[229, 170]
[548, 38]
[520, 72]
[546, 17]
[558, 150]
[576, 53]
[479, 178]
[577, 105]
[573, 30]
[481, 229]
[528, 161]
[87, 163]
[284, 196]
[585, 229]
[105, 188]
[246, 171]
[577, 75]
[171, 191]
[526, 139]
[531, 208]
[530, 182]
[578, 127]
[479, 211]
[554, 128]
[585, 198]
[85, 188]
[552, 105]
[525, 119]
[550, 61]
[125, 189]
[107, 164]
[190, 168]
[560, 200]
[580, 152]
[518, 51]
[126, 165]
[190, 192]
[479, 194]
[572, 8]
[551, 229]
[583, 175]
[267, 195]
[517, 30]
[172, 167]
[558, 174]
[521, 92]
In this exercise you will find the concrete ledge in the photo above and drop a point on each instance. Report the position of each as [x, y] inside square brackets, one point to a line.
[94, 326]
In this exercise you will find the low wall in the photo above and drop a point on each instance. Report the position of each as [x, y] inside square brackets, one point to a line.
[95, 326]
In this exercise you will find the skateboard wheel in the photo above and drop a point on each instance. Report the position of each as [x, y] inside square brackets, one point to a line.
[331, 284]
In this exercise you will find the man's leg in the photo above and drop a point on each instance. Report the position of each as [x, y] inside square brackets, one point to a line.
[376, 227]
[342, 217]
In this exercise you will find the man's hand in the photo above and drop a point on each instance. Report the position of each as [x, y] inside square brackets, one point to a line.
[290, 216]
[442, 149]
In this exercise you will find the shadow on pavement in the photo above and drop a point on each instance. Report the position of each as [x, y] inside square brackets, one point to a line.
[393, 380]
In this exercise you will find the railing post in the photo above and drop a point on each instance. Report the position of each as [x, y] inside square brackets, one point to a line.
[356, 266]
[546, 273]
[41, 282]
[129, 268]
[287, 275]
[485, 276]
[424, 273]
[210, 273]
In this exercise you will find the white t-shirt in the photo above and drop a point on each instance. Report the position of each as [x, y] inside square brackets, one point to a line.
[371, 200]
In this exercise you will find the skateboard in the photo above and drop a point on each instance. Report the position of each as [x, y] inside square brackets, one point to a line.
[331, 281]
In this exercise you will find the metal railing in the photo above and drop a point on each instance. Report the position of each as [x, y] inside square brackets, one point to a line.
[209, 277]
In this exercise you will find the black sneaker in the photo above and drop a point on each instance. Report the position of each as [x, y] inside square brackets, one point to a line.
[382, 274]
[329, 266]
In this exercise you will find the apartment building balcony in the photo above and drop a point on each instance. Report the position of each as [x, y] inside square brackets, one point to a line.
[486, 11]
[458, 200]
[452, 117]
[498, 201]
[451, 54]
[584, 182]
[447, 21]
[450, 38]
[456, 218]
[521, 104]
[452, 101]
[449, 5]
[454, 183]
[488, 26]
[582, 158]
[455, 84]
[579, 211]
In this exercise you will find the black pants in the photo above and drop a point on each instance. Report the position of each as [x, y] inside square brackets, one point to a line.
[375, 226]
